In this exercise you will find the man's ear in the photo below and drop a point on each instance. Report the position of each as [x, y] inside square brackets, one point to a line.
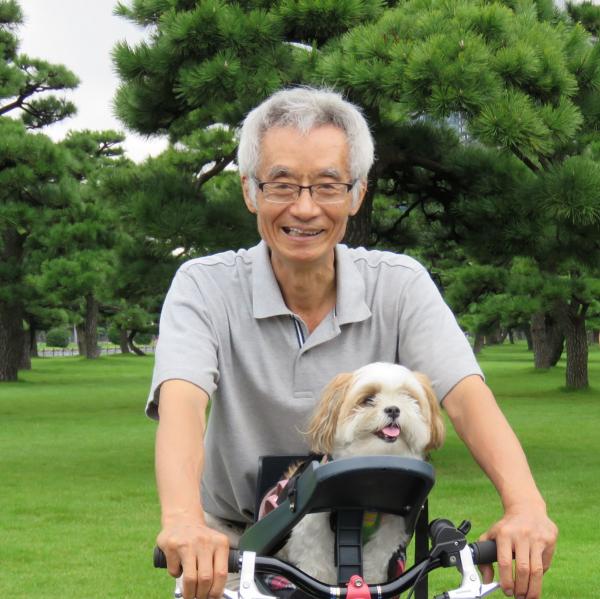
[361, 196]
[247, 196]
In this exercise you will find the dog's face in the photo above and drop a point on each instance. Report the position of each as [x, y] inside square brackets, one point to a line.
[380, 409]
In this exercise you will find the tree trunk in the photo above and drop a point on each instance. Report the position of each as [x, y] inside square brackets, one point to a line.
[495, 337]
[547, 339]
[124, 342]
[90, 342]
[573, 320]
[80, 329]
[132, 345]
[358, 233]
[25, 361]
[527, 333]
[33, 347]
[12, 311]
[478, 343]
[11, 340]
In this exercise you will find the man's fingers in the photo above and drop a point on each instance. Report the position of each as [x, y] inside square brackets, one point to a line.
[549, 547]
[205, 574]
[220, 571]
[505, 564]
[522, 556]
[487, 572]
[174, 567]
[190, 577]
[536, 572]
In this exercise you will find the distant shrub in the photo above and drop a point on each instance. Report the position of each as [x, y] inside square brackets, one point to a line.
[114, 335]
[58, 338]
[143, 338]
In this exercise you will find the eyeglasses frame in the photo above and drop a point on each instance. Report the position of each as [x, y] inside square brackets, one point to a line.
[261, 185]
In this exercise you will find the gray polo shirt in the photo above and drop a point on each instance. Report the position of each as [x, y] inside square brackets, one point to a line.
[225, 328]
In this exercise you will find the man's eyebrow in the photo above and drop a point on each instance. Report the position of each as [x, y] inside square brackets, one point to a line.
[331, 172]
[279, 171]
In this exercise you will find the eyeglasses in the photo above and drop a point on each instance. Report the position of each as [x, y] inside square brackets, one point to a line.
[288, 193]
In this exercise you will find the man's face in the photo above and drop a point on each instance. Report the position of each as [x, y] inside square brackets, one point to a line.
[303, 231]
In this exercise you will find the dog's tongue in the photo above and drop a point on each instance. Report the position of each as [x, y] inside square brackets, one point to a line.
[391, 431]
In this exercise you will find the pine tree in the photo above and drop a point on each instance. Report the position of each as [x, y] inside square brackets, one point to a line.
[482, 111]
[77, 251]
[30, 169]
[167, 214]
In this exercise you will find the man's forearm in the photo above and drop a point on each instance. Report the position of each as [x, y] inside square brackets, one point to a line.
[483, 428]
[179, 450]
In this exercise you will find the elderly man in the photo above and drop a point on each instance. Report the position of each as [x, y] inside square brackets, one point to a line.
[261, 331]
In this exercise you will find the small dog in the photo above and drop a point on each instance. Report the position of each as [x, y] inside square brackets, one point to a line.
[380, 409]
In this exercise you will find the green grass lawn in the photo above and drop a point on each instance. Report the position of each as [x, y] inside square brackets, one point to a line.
[78, 508]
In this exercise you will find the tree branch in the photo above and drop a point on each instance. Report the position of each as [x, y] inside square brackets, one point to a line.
[219, 166]
[399, 220]
[524, 159]
[8, 107]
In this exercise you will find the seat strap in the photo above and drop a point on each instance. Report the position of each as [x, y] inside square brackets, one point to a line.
[348, 544]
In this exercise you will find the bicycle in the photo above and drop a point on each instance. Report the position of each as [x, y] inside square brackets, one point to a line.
[349, 486]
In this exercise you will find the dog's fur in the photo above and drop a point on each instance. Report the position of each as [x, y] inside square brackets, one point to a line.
[380, 409]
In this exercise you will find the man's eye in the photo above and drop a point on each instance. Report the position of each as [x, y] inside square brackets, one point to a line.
[369, 400]
[281, 187]
[327, 188]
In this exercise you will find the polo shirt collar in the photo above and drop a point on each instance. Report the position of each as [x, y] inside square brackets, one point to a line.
[266, 296]
[267, 299]
[351, 305]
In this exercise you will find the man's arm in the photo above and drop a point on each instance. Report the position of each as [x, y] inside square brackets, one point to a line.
[185, 539]
[525, 529]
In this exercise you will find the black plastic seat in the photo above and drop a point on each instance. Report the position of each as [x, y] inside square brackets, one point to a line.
[376, 483]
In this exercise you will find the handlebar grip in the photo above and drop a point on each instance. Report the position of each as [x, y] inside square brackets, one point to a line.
[233, 560]
[484, 552]
[439, 529]
[160, 559]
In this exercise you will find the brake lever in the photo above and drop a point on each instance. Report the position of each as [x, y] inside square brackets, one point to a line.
[471, 586]
[248, 588]
[178, 594]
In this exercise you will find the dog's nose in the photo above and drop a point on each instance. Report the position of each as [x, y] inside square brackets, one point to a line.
[392, 411]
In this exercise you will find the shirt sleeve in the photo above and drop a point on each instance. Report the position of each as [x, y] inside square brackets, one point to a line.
[187, 345]
[430, 339]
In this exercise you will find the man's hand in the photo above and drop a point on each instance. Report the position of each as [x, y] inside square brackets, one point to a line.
[188, 544]
[200, 553]
[525, 530]
[526, 533]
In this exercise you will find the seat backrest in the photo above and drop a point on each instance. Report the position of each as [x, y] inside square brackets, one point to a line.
[271, 469]
[376, 483]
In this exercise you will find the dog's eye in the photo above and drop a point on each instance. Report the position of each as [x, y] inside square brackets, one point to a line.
[369, 400]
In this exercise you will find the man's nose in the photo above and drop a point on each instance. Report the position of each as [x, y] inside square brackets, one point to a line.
[305, 206]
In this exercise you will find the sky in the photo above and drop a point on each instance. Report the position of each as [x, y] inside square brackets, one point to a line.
[80, 34]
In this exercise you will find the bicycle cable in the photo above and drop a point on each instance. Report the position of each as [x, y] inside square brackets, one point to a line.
[420, 576]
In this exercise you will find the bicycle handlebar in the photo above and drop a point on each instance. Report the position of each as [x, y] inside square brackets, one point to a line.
[483, 552]
[233, 562]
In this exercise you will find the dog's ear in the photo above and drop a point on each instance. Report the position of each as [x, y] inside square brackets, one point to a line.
[433, 413]
[323, 424]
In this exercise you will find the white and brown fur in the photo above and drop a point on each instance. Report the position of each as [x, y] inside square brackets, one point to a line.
[350, 419]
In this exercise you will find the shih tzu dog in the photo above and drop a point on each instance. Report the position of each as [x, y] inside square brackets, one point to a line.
[380, 409]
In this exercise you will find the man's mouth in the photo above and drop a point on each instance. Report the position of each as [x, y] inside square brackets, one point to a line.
[296, 232]
[389, 434]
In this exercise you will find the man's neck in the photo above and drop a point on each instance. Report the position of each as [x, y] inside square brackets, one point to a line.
[309, 292]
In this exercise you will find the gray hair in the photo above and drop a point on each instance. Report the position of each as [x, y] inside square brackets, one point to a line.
[305, 108]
